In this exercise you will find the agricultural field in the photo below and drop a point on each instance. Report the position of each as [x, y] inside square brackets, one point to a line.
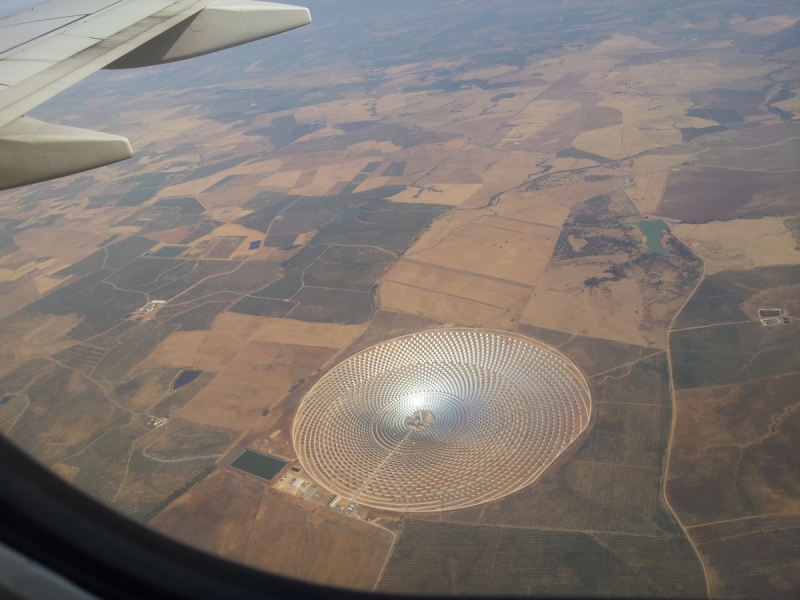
[702, 194]
[616, 181]
[457, 559]
[725, 297]
[718, 338]
[264, 529]
[604, 489]
[771, 542]
[606, 279]
[732, 473]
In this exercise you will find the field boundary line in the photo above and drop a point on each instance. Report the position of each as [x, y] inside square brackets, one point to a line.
[629, 565]
[177, 460]
[389, 555]
[744, 519]
[593, 462]
[469, 273]
[554, 529]
[19, 416]
[712, 325]
[419, 287]
[633, 404]
[497, 215]
[628, 364]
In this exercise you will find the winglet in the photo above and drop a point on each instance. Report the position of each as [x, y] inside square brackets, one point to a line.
[32, 151]
[224, 24]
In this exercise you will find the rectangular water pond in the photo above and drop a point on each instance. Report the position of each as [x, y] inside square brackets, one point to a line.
[652, 231]
[258, 464]
[170, 251]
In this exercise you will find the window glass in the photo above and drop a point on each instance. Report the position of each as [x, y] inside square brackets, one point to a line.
[490, 297]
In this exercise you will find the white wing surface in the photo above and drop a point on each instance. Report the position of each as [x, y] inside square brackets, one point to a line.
[47, 48]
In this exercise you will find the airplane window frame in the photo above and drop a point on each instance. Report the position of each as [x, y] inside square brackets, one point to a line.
[104, 553]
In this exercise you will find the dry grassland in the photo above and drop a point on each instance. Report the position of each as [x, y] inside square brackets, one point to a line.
[35, 336]
[462, 285]
[613, 310]
[321, 546]
[765, 25]
[258, 359]
[453, 194]
[371, 149]
[303, 333]
[378, 181]
[231, 230]
[533, 207]
[733, 455]
[786, 297]
[74, 244]
[675, 79]
[328, 176]
[234, 516]
[740, 244]
[487, 73]
[392, 105]
[488, 245]
[791, 105]
[66, 472]
[336, 112]
[650, 178]
[536, 116]
[45, 284]
[19, 298]
[578, 192]
[215, 515]
[607, 142]
[443, 307]
[282, 179]
[259, 377]
[216, 348]
[620, 42]
[198, 186]
[647, 124]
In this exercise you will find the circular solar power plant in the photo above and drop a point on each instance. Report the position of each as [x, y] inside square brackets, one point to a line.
[441, 419]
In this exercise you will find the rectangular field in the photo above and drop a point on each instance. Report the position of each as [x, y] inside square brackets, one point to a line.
[701, 194]
[225, 247]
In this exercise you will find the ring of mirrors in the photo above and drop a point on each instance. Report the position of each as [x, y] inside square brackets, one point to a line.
[440, 420]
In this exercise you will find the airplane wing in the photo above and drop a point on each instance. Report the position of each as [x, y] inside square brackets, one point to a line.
[47, 48]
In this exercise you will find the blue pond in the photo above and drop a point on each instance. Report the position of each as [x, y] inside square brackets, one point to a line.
[170, 251]
[186, 377]
[652, 231]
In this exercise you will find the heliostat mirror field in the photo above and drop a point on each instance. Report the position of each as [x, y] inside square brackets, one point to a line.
[440, 420]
